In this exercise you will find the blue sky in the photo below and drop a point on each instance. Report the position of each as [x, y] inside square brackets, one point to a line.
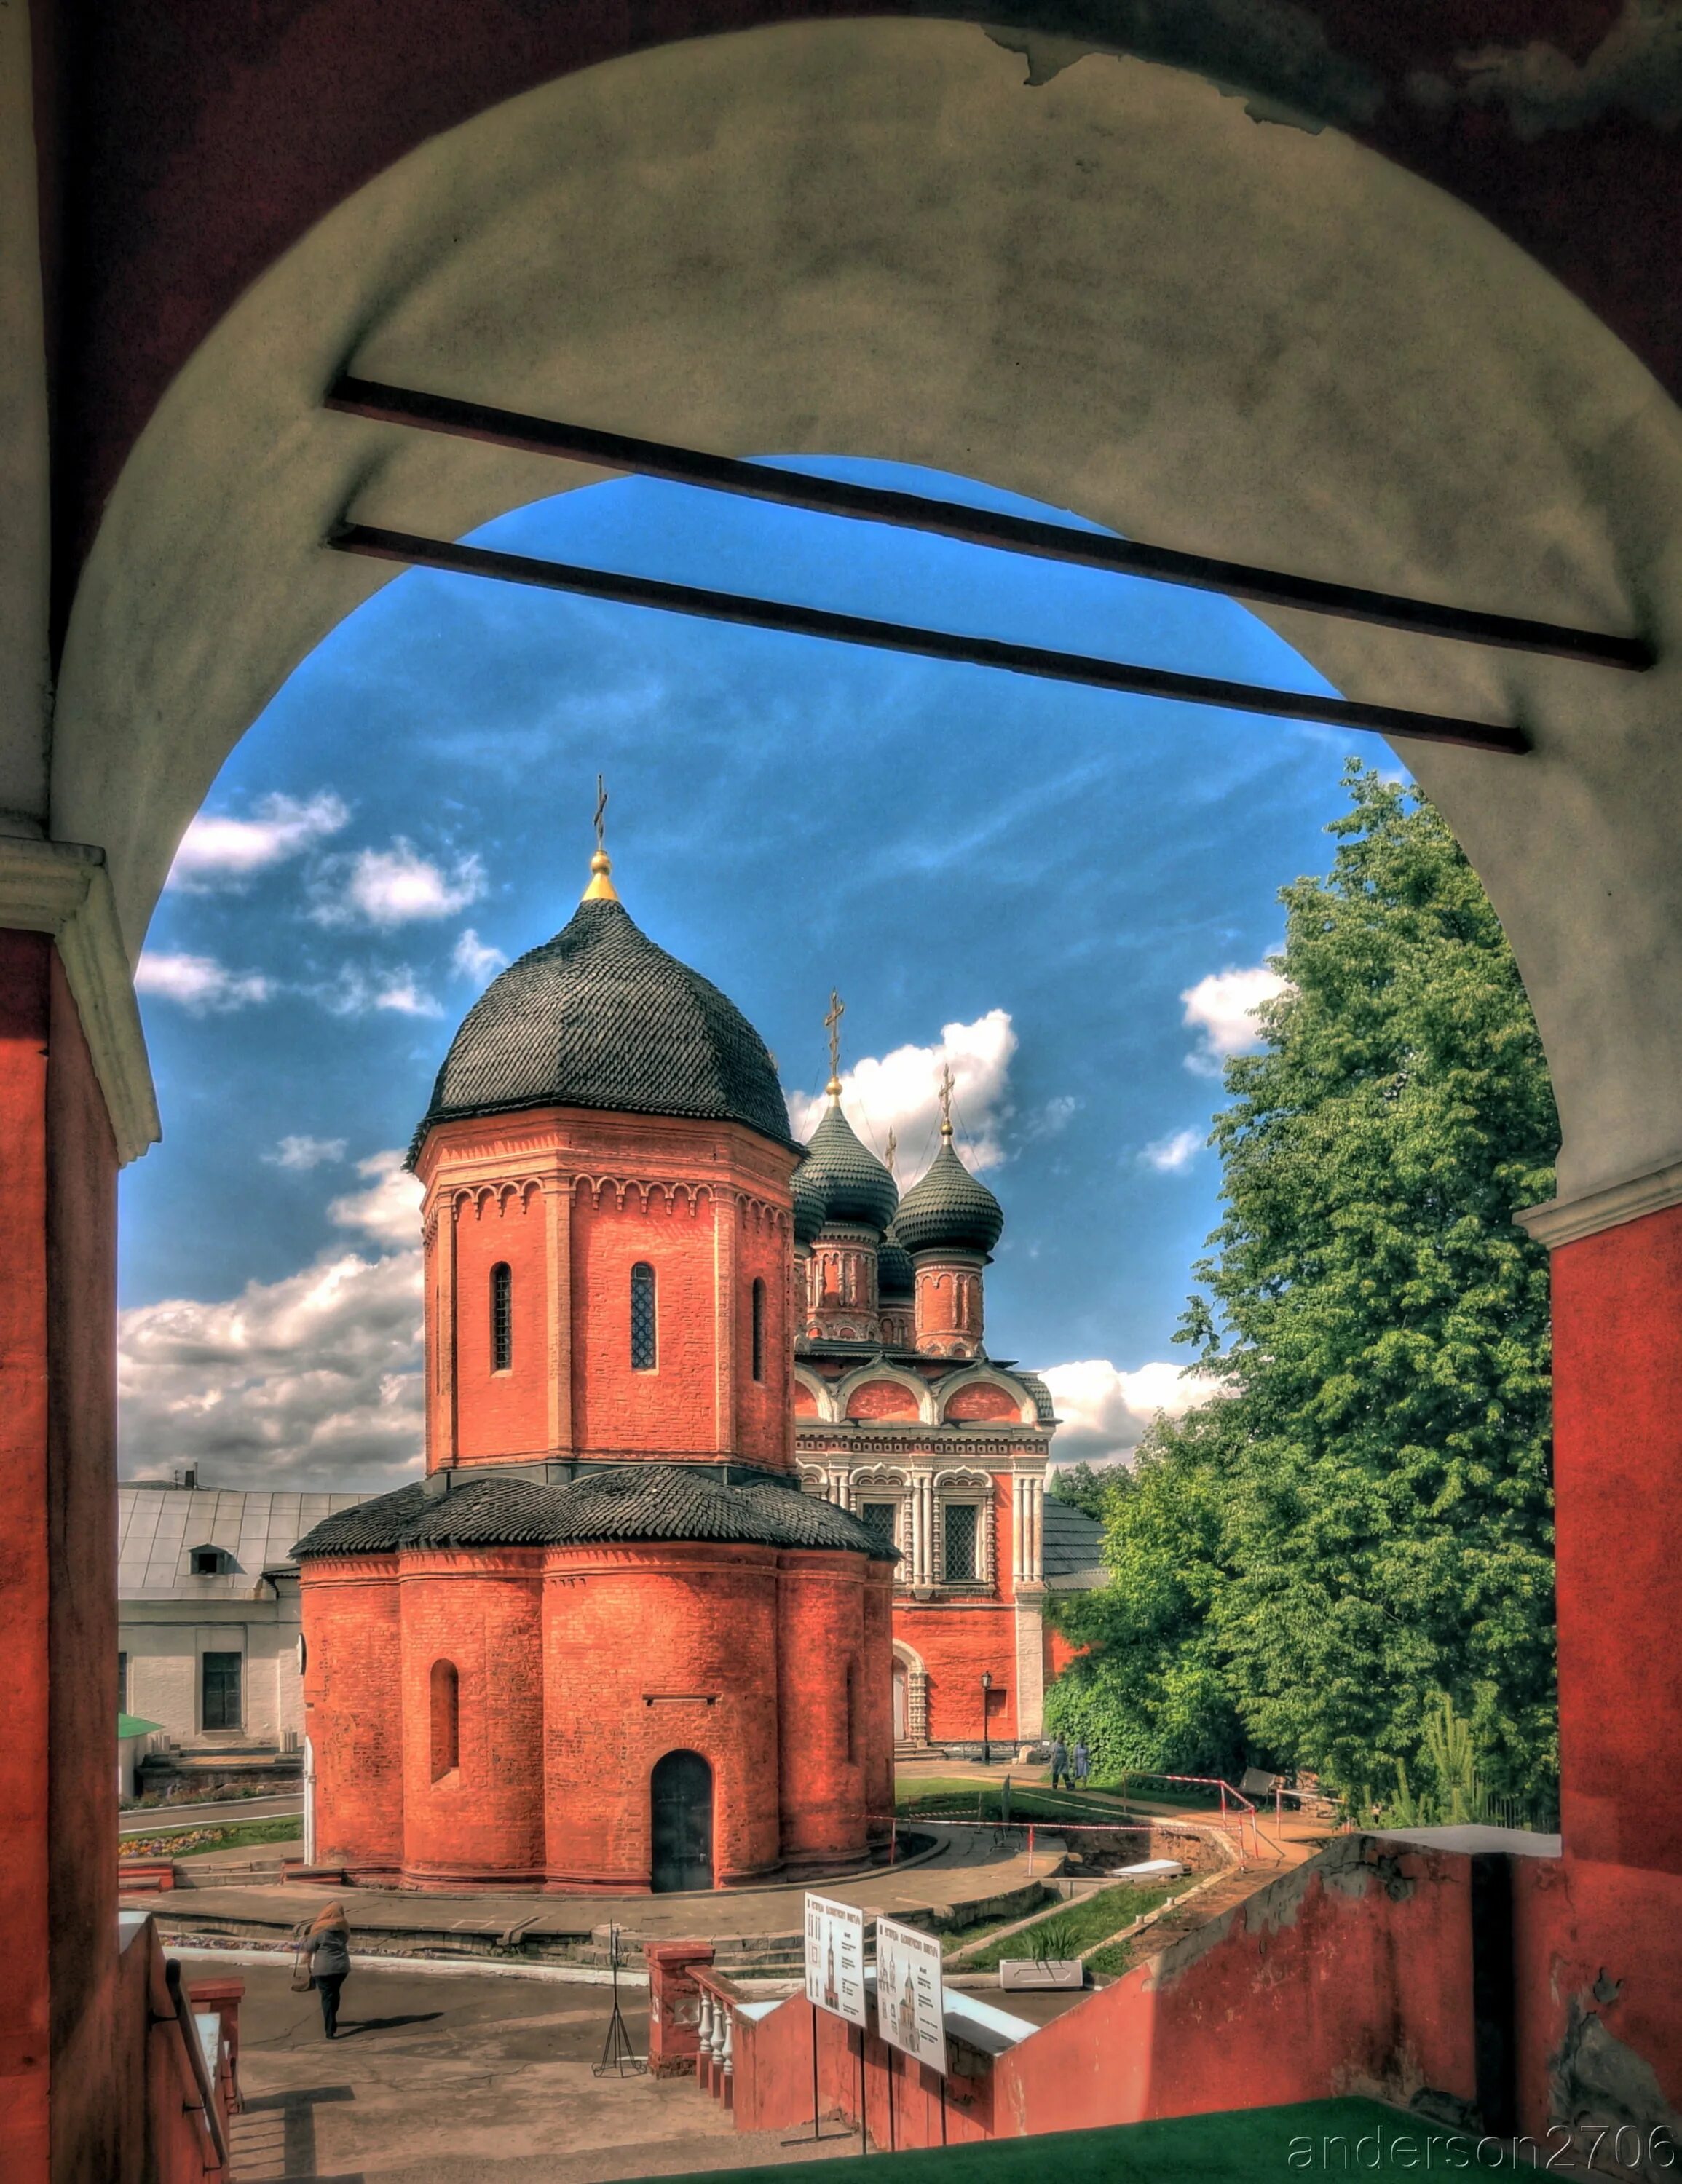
[1049, 870]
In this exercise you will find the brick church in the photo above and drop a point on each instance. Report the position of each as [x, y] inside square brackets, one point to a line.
[608, 1642]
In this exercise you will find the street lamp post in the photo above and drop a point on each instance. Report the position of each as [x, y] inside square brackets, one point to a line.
[986, 1739]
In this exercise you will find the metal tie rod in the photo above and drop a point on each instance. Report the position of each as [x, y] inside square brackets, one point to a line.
[972, 526]
[406, 547]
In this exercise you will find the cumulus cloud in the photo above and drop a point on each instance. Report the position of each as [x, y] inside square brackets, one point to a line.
[1104, 1411]
[899, 1092]
[218, 851]
[1172, 1154]
[393, 887]
[305, 1152]
[389, 1208]
[1220, 1009]
[198, 983]
[311, 1382]
[473, 958]
[357, 992]
[1635, 69]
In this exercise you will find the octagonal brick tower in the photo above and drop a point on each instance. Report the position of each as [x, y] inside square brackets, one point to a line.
[607, 1219]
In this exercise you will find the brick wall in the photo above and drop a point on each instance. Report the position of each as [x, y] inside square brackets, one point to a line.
[353, 1697]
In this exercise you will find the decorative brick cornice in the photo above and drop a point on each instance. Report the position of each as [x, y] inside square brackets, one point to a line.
[1564, 1220]
[64, 888]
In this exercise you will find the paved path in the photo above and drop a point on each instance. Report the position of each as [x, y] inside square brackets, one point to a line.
[967, 1868]
[164, 1819]
[464, 2079]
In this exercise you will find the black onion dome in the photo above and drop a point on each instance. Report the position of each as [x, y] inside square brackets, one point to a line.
[895, 1275]
[808, 1206]
[673, 1502]
[600, 1018]
[948, 1209]
[856, 1187]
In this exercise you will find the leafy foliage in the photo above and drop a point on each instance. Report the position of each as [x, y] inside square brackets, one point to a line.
[1081, 1487]
[1359, 1530]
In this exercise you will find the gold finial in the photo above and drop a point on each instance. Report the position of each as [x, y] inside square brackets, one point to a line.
[892, 1153]
[601, 887]
[946, 1102]
[838, 1008]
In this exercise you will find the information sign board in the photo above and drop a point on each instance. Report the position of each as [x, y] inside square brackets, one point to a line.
[910, 2008]
[835, 1957]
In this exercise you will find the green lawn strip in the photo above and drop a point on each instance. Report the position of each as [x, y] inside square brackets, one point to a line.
[1077, 1924]
[227, 1834]
[1313, 2139]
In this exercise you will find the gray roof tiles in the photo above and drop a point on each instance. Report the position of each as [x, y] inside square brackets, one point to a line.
[157, 1527]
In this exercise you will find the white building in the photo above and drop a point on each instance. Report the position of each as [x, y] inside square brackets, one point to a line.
[207, 1612]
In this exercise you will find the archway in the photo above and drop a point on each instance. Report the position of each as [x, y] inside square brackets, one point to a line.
[681, 1805]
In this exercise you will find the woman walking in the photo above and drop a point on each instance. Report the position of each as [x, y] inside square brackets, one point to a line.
[326, 1945]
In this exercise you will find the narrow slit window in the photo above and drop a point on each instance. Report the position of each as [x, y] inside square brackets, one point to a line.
[446, 1719]
[502, 1319]
[645, 1329]
[758, 1317]
[852, 1714]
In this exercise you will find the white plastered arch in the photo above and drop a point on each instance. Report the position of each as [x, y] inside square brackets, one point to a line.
[980, 1374]
[863, 1376]
[1114, 292]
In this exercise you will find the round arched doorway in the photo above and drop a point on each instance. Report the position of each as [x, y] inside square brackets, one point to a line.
[681, 1833]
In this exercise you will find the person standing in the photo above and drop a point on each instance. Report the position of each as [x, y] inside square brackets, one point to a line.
[326, 1944]
[1059, 1764]
[1082, 1762]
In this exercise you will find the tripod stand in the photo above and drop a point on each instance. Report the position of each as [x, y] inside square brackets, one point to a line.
[618, 2054]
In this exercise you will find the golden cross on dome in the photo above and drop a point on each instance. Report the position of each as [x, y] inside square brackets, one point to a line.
[601, 887]
[838, 1008]
[946, 1101]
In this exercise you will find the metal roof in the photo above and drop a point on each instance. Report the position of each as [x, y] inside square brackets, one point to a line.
[158, 1526]
[1070, 1547]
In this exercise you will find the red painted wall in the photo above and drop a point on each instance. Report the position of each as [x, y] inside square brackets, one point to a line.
[955, 1640]
[882, 1399]
[823, 1728]
[352, 1689]
[502, 1413]
[482, 1612]
[1617, 1484]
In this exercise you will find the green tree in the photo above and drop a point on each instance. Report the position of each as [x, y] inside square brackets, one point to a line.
[1379, 1464]
[1081, 1487]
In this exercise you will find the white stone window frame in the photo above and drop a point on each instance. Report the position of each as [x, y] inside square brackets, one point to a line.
[974, 1492]
[879, 1482]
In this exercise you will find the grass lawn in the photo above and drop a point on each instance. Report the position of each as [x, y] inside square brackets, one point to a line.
[228, 1835]
[1074, 1926]
[1311, 2139]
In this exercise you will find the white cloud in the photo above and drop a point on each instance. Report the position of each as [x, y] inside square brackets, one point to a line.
[314, 1381]
[899, 1091]
[473, 959]
[198, 983]
[217, 851]
[1104, 1411]
[1220, 1009]
[304, 1152]
[358, 993]
[1051, 1120]
[389, 1209]
[1172, 1154]
[398, 886]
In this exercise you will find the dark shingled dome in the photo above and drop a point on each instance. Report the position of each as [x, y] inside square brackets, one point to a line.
[808, 1206]
[948, 1209]
[895, 1275]
[674, 1501]
[600, 1018]
[856, 1187]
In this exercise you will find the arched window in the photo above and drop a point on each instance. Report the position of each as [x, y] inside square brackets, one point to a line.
[446, 1719]
[758, 1330]
[502, 1319]
[644, 1326]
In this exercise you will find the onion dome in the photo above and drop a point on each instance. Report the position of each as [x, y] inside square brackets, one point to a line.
[948, 1209]
[808, 1207]
[600, 1018]
[653, 1501]
[896, 1278]
[856, 1187]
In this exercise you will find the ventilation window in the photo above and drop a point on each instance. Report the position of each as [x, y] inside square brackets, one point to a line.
[208, 1562]
[758, 1330]
[644, 1348]
[962, 1531]
[502, 1319]
[446, 1719]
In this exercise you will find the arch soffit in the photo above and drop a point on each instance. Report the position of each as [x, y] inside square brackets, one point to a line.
[864, 1376]
[1251, 341]
[821, 1392]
